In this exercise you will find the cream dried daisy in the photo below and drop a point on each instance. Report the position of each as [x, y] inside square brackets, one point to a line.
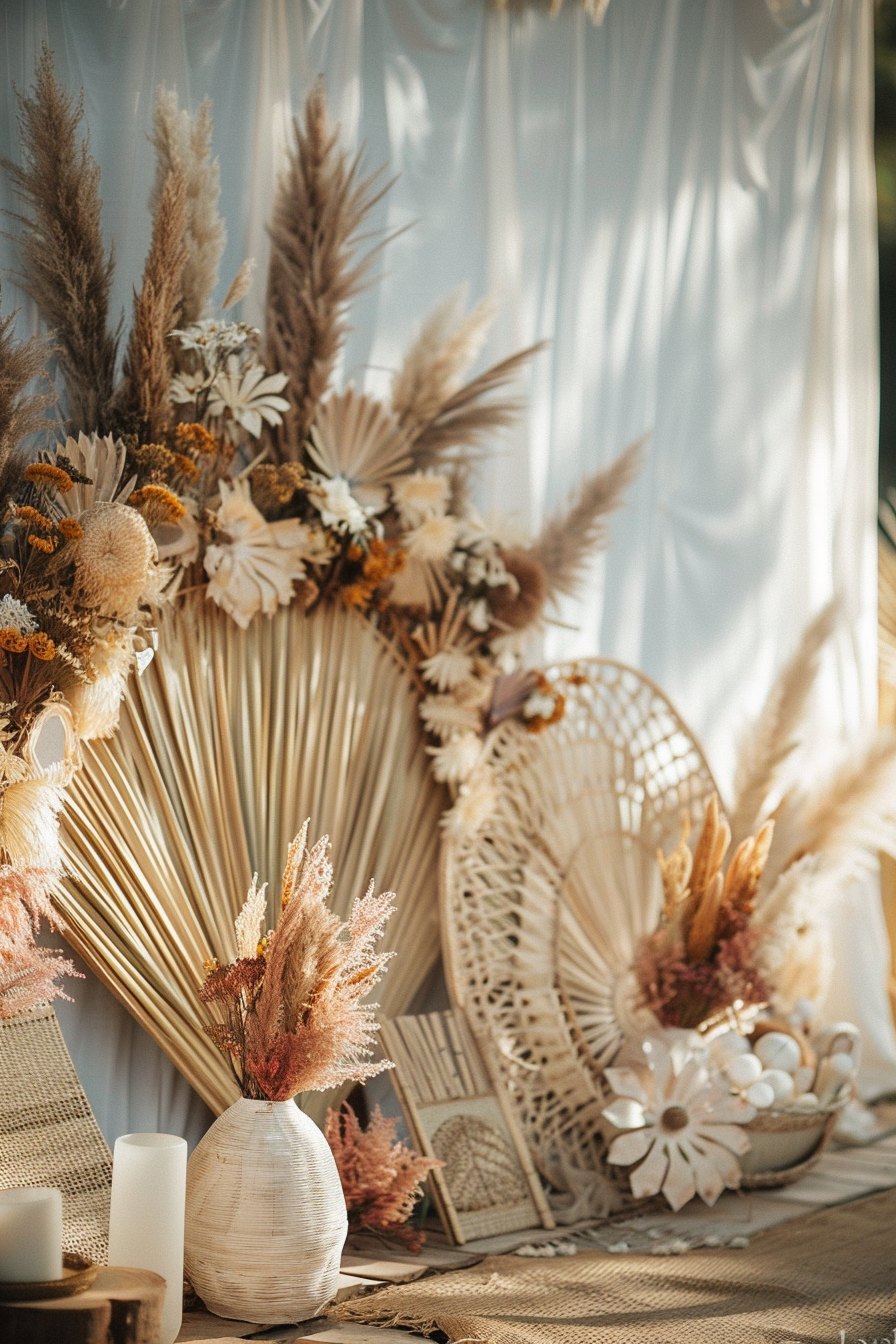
[443, 716]
[456, 759]
[422, 494]
[432, 540]
[247, 398]
[15, 615]
[116, 566]
[683, 1128]
[447, 668]
[253, 563]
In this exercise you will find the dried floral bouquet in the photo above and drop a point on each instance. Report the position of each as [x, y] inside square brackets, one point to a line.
[288, 1011]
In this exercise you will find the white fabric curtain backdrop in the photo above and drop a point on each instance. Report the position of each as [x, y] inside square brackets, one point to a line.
[682, 202]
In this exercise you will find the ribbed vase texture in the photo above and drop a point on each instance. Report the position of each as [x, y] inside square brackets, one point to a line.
[266, 1218]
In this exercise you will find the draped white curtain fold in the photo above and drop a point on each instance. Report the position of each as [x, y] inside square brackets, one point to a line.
[680, 200]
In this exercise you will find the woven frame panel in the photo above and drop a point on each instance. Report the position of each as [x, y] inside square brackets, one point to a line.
[543, 908]
[48, 1133]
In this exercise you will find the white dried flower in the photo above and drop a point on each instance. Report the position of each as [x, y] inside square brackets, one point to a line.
[185, 387]
[540, 705]
[15, 615]
[432, 540]
[456, 759]
[447, 668]
[476, 800]
[337, 506]
[212, 338]
[444, 717]
[253, 564]
[479, 616]
[246, 398]
[422, 494]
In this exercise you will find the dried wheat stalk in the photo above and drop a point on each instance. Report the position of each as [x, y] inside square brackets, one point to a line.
[321, 202]
[66, 268]
[569, 539]
[775, 735]
[142, 399]
[186, 145]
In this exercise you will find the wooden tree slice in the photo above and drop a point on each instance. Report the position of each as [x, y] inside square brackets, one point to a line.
[124, 1306]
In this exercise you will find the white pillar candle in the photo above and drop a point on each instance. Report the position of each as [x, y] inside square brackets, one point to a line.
[146, 1221]
[30, 1235]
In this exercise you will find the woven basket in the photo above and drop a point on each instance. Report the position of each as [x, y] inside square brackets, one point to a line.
[266, 1218]
[784, 1145]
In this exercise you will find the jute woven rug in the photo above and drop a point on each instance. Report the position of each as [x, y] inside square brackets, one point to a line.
[829, 1278]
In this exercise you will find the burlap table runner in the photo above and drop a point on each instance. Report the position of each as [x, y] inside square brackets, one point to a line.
[829, 1278]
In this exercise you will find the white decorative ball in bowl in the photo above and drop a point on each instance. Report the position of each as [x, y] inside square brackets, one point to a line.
[266, 1219]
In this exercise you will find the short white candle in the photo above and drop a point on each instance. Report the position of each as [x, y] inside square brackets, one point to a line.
[30, 1235]
[146, 1221]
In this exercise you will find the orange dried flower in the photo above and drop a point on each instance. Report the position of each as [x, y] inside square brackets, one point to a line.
[195, 438]
[354, 551]
[185, 466]
[41, 543]
[382, 562]
[42, 646]
[47, 476]
[12, 641]
[70, 528]
[33, 518]
[356, 595]
[164, 503]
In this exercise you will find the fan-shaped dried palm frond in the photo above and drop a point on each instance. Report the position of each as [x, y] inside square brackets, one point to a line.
[569, 539]
[227, 742]
[433, 368]
[185, 145]
[355, 436]
[66, 269]
[472, 412]
[321, 203]
[544, 903]
[142, 399]
[768, 742]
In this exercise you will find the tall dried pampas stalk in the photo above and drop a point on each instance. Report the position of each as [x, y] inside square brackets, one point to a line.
[433, 368]
[321, 202]
[21, 413]
[186, 145]
[569, 539]
[66, 268]
[143, 397]
[768, 742]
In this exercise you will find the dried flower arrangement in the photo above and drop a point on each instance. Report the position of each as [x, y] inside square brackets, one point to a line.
[230, 457]
[287, 1009]
[381, 1176]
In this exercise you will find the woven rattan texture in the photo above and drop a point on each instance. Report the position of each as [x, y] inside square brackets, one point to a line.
[805, 1281]
[48, 1134]
[543, 908]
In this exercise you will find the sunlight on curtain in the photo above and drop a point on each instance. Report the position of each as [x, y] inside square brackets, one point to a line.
[680, 200]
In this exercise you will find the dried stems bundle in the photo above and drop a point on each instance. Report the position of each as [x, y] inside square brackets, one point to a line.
[321, 202]
[184, 146]
[381, 1176]
[143, 397]
[66, 268]
[569, 538]
[702, 958]
[290, 1002]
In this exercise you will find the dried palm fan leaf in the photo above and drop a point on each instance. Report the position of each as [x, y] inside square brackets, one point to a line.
[775, 735]
[544, 905]
[66, 269]
[354, 436]
[142, 398]
[321, 203]
[184, 145]
[569, 539]
[228, 741]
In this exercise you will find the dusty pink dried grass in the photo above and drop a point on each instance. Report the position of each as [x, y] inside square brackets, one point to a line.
[381, 1176]
[291, 1018]
[28, 974]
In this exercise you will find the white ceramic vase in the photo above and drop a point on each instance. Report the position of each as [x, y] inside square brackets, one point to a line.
[266, 1218]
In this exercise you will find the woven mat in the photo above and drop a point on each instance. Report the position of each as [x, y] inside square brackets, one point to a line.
[802, 1283]
[48, 1134]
